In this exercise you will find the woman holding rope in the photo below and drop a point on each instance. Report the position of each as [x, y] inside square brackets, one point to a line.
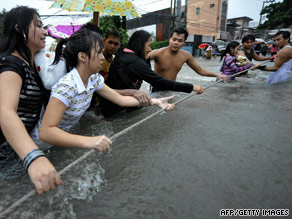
[130, 68]
[72, 94]
[232, 63]
[22, 96]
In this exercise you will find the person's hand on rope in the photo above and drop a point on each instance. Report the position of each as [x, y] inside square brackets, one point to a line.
[43, 175]
[255, 66]
[142, 97]
[101, 143]
[163, 103]
[199, 89]
[273, 58]
[221, 77]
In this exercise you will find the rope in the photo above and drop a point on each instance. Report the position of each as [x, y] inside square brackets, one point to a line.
[18, 203]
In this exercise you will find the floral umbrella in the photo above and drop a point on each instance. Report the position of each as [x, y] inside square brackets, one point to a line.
[108, 7]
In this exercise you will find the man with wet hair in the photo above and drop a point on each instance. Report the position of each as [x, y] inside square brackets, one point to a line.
[112, 43]
[248, 51]
[169, 60]
[283, 63]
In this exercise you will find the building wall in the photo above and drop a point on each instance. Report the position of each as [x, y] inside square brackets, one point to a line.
[204, 17]
[238, 27]
[162, 18]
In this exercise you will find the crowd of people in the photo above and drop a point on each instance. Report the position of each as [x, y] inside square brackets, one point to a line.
[93, 71]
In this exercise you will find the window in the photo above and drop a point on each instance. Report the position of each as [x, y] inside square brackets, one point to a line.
[197, 10]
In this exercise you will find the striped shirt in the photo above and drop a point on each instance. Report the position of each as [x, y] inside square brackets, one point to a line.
[229, 66]
[32, 93]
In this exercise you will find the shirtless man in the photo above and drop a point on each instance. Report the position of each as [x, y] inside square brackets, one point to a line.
[169, 60]
[283, 63]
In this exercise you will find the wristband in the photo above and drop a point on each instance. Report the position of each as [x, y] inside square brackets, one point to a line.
[262, 67]
[31, 156]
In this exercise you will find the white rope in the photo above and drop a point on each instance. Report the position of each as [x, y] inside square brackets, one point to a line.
[18, 203]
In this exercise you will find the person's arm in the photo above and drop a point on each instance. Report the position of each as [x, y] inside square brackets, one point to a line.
[141, 96]
[282, 57]
[144, 72]
[52, 134]
[154, 54]
[201, 71]
[42, 173]
[260, 58]
[129, 101]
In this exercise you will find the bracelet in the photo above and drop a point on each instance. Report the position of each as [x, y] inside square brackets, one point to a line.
[31, 156]
[262, 67]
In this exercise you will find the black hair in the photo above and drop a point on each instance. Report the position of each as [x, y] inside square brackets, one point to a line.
[82, 40]
[179, 31]
[92, 27]
[247, 38]
[16, 39]
[231, 45]
[285, 34]
[113, 33]
[137, 42]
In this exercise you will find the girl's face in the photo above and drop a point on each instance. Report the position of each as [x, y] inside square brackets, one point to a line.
[96, 59]
[234, 51]
[36, 35]
[148, 49]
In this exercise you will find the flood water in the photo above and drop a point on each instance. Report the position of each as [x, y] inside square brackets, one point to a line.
[229, 148]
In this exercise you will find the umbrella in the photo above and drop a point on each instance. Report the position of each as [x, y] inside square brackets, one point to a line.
[259, 40]
[203, 45]
[108, 7]
[219, 42]
[63, 31]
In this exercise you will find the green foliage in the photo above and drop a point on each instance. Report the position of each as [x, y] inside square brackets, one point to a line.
[279, 15]
[157, 45]
[108, 23]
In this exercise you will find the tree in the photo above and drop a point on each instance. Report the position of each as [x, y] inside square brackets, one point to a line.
[279, 15]
[108, 23]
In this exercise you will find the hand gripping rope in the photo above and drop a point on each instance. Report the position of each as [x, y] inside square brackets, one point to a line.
[18, 203]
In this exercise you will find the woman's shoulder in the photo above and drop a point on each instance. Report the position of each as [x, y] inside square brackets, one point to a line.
[12, 61]
[66, 81]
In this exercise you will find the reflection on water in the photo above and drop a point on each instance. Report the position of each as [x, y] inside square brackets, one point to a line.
[228, 148]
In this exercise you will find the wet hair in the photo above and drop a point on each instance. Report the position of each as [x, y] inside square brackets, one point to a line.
[92, 27]
[179, 31]
[113, 33]
[285, 34]
[231, 45]
[247, 38]
[82, 40]
[17, 40]
[137, 42]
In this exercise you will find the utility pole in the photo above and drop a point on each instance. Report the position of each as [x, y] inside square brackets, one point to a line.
[265, 1]
[173, 16]
[178, 13]
[186, 12]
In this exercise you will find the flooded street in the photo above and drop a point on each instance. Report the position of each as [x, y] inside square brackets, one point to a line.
[229, 148]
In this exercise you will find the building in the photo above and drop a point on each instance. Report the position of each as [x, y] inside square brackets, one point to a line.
[207, 18]
[205, 21]
[238, 27]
